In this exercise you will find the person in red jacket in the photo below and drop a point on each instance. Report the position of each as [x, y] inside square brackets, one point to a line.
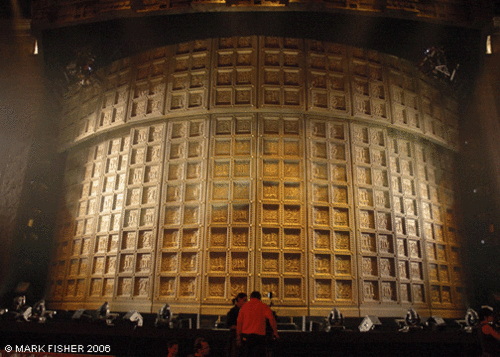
[251, 326]
[488, 336]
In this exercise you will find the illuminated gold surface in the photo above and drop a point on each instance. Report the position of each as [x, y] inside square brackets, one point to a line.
[325, 175]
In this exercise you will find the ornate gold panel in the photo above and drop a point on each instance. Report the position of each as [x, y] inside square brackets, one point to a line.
[179, 258]
[327, 166]
[281, 216]
[326, 206]
[231, 202]
[234, 76]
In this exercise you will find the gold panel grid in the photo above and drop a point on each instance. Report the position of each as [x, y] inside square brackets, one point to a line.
[331, 247]
[231, 203]
[280, 213]
[135, 263]
[149, 88]
[281, 76]
[369, 85]
[189, 77]
[327, 72]
[179, 258]
[234, 76]
[406, 103]
[441, 246]
[376, 262]
[322, 207]
[115, 110]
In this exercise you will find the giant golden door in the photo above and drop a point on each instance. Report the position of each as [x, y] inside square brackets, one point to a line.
[319, 172]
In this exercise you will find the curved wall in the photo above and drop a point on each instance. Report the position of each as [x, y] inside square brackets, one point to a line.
[316, 171]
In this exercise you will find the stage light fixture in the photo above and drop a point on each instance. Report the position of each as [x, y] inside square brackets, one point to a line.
[471, 318]
[78, 314]
[369, 323]
[436, 323]
[470, 321]
[221, 323]
[164, 317]
[103, 313]
[134, 317]
[40, 313]
[21, 311]
[335, 321]
[411, 322]
[26, 314]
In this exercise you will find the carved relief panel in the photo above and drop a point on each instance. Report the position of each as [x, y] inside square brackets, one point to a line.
[149, 88]
[179, 255]
[407, 224]
[369, 85]
[330, 212]
[341, 79]
[234, 75]
[81, 264]
[189, 76]
[327, 71]
[375, 227]
[405, 100]
[281, 212]
[231, 206]
[109, 207]
[376, 215]
[87, 114]
[67, 249]
[80, 112]
[115, 97]
[443, 251]
[85, 248]
[433, 112]
[281, 75]
[141, 210]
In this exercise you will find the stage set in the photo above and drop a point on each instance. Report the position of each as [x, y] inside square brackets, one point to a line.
[123, 335]
[309, 150]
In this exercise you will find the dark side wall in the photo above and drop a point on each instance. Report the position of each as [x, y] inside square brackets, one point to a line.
[27, 172]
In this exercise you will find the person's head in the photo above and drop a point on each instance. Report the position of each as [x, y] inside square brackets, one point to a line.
[256, 295]
[486, 313]
[201, 347]
[173, 348]
[240, 299]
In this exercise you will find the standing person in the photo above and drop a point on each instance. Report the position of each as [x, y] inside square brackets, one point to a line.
[488, 336]
[251, 326]
[201, 348]
[232, 319]
[172, 348]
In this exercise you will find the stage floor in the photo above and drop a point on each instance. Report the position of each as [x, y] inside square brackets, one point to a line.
[125, 340]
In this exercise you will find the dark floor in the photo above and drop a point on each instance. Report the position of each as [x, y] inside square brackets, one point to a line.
[125, 340]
